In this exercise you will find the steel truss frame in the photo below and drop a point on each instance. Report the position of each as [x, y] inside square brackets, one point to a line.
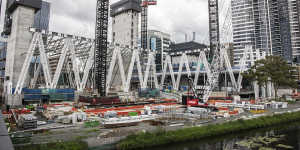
[68, 47]
[47, 45]
[212, 72]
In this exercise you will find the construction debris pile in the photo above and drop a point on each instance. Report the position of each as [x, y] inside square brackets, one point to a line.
[113, 112]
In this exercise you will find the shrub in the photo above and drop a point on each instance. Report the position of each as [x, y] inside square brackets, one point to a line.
[162, 137]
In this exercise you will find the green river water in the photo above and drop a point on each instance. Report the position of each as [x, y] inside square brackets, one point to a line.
[285, 137]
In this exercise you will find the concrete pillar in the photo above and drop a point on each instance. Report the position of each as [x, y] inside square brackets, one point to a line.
[273, 91]
[263, 92]
[256, 90]
[18, 44]
[77, 94]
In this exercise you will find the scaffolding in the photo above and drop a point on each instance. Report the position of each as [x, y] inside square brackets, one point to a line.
[101, 46]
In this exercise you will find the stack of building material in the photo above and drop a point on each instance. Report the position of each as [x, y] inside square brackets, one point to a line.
[27, 121]
[196, 110]
[57, 110]
[148, 92]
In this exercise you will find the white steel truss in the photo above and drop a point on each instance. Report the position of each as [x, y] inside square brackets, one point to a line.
[66, 47]
[36, 43]
[168, 63]
[135, 59]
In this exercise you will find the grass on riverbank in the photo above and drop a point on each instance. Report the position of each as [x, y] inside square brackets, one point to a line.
[160, 137]
[71, 145]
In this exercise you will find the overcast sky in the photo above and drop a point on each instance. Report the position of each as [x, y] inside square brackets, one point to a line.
[176, 17]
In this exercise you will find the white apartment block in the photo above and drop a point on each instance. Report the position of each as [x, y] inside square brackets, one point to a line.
[125, 22]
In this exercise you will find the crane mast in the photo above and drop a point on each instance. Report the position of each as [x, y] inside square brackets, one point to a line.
[100, 66]
[144, 27]
[214, 34]
[144, 21]
[214, 54]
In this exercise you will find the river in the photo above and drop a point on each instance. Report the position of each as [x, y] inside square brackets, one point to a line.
[283, 137]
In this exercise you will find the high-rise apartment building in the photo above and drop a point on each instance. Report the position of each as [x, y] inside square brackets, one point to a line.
[265, 25]
[125, 21]
[159, 42]
[294, 17]
[125, 25]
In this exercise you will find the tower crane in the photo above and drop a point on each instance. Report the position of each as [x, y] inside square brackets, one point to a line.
[214, 55]
[101, 31]
[144, 21]
[100, 66]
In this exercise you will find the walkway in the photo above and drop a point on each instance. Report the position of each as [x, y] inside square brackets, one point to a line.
[5, 142]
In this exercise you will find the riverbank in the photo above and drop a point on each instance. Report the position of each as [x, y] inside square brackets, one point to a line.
[162, 137]
[70, 145]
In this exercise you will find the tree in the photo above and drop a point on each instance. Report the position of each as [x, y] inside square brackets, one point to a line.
[273, 69]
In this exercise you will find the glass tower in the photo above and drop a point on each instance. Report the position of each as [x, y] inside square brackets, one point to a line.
[263, 24]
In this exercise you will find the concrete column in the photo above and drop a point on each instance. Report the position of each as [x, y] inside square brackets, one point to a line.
[263, 92]
[273, 90]
[256, 90]
[269, 89]
[18, 44]
[19, 41]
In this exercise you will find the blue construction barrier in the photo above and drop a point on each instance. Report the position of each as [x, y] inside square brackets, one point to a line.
[52, 94]
[184, 88]
[31, 91]
[32, 97]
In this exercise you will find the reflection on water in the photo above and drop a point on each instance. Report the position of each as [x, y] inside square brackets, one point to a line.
[279, 138]
[285, 137]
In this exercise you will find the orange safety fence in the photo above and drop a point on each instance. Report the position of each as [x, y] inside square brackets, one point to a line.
[235, 112]
[213, 102]
[98, 111]
[223, 108]
[169, 100]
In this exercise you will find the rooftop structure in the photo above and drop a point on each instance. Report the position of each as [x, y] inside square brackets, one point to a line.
[13, 4]
[123, 6]
[186, 47]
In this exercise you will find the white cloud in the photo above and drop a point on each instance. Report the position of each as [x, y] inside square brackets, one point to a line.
[176, 17]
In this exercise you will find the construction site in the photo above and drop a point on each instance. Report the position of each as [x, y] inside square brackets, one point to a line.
[65, 87]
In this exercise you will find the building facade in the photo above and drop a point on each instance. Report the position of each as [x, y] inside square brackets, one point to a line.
[265, 25]
[41, 21]
[294, 11]
[192, 49]
[125, 25]
[125, 21]
[159, 42]
[42, 17]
